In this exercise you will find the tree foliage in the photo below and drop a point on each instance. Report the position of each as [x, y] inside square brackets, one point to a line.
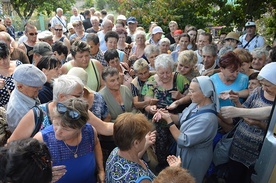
[200, 13]
[26, 8]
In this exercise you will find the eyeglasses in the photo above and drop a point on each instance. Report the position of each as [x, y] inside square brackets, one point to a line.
[73, 114]
[58, 29]
[32, 34]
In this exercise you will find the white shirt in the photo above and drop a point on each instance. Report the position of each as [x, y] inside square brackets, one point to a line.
[76, 18]
[257, 41]
[59, 20]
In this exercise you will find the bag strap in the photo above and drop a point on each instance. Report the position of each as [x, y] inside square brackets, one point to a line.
[203, 111]
[250, 41]
[61, 22]
[96, 74]
[38, 119]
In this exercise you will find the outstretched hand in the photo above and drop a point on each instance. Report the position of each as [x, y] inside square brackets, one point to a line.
[58, 172]
[173, 160]
[151, 138]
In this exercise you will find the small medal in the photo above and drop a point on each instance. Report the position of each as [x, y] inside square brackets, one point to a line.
[75, 155]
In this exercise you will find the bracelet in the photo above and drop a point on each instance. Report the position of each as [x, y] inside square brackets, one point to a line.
[170, 124]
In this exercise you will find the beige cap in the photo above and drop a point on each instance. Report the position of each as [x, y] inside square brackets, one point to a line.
[232, 35]
[82, 74]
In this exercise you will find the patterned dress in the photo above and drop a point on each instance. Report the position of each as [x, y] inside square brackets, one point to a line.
[121, 170]
[248, 139]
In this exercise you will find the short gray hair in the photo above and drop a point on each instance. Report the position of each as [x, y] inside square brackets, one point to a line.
[164, 61]
[164, 40]
[259, 52]
[65, 84]
[151, 49]
[225, 49]
[59, 9]
[143, 33]
[210, 48]
[140, 64]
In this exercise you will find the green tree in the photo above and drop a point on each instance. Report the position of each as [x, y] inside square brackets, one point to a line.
[26, 8]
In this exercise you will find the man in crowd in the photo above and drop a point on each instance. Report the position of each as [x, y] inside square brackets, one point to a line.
[251, 39]
[132, 25]
[59, 19]
[9, 26]
[28, 81]
[76, 16]
[107, 25]
[204, 38]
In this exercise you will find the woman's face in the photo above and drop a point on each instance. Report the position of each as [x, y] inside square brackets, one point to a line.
[151, 58]
[245, 67]
[184, 42]
[164, 74]
[78, 27]
[252, 84]
[192, 35]
[229, 74]
[258, 62]
[143, 74]
[64, 133]
[94, 48]
[82, 59]
[164, 47]
[140, 39]
[114, 63]
[195, 93]
[184, 68]
[112, 82]
[52, 73]
[122, 38]
[268, 87]
[111, 43]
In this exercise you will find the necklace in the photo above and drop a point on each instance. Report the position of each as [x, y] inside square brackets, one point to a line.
[75, 153]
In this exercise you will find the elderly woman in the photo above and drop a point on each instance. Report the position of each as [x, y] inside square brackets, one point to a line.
[80, 51]
[118, 99]
[74, 143]
[249, 135]
[25, 160]
[7, 68]
[95, 25]
[230, 79]
[132, 136]
[184, 40]
[167, 87]
[141, 69]
[246, 60]
[50, 66]
[172, 26]
[112, 58]
[79, 32]
[122, 45]
[186, 64]
[198, 126]
[64, 87]
[259, 58]
[164, 45]
[95, 100]
[139, 45]
[151, 52]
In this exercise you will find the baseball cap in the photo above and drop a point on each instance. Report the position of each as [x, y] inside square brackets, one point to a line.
[29, 75]
[268, 73]
[156, 30]
[121, 17]
[232, 35]
[250, 24]
[82, 74]
[131, 20]
[42, 48]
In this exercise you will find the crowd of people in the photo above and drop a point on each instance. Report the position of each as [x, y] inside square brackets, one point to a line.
[99, 99]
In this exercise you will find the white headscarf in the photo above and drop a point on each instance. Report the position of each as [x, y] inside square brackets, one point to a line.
[208, 89]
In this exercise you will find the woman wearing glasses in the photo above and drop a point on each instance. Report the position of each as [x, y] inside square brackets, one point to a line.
[79, 32]
[59, 36]
[74, 143]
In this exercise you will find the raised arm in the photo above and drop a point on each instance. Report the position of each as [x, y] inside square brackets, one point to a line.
[253, 113]
[103, 128]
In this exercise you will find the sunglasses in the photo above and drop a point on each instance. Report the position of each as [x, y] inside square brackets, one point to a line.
[76, 25]
[58, 29]
[32, 34]
[73, 114]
